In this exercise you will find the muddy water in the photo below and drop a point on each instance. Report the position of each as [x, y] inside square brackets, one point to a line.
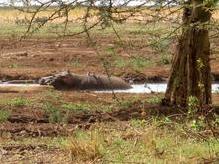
[4, 85]
[7, 88]
[136, 88]
[152, 88]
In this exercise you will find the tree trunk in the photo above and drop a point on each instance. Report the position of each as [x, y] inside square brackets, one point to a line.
[190, 72]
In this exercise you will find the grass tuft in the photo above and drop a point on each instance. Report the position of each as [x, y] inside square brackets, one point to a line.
[4, 115]
[89, 149]
[76, 107]
[18, 102]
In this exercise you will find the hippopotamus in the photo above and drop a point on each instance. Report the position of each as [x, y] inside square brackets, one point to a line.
[70, 81]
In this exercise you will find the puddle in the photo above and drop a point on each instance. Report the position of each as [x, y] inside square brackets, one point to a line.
[136, 88]
[7, 88]
[19, 85]
[151, 87]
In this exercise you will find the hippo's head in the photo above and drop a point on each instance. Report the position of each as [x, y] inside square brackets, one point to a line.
[50, 80]
[65, 80]
[46, 80]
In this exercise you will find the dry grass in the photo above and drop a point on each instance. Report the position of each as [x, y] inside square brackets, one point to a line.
[89, 149]
[136, 141]
[10, 15]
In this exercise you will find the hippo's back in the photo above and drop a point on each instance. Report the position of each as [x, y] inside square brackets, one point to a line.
[104, 83]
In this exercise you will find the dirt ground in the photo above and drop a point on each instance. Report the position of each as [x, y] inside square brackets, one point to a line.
[31, 59]
[34, 58]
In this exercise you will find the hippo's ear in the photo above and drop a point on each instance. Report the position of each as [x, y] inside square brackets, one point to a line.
[64, 73]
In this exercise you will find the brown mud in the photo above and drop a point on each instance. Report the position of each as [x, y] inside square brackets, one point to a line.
[35, 58]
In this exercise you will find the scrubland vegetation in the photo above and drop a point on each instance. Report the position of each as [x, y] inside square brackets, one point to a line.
[51, 126]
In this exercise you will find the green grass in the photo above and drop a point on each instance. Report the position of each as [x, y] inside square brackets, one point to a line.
[4, 115]
[50, 30]
[75, 63]
[18, 102]
[139, 63]
[136, 63]
[76, 107]
[54, 113]
[60, 113]
[14, 65]
[154, 99]
[17, 27]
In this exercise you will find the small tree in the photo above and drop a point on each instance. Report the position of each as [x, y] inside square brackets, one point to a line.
[190, 72]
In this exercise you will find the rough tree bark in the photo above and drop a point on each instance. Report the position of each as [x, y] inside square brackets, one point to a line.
[190, 72]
